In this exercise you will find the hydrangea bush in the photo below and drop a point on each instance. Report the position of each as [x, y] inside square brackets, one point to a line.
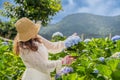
[64, 71]
[11, 66]
[57, 34]
[94, 60]
[99, 59]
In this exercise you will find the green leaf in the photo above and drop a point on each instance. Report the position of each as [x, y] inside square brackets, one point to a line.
[112, 63]
[81, 78]
[104, 70]
[72, 76]
[116, 75]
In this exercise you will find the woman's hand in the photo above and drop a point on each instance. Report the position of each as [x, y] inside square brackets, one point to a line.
[67, 60]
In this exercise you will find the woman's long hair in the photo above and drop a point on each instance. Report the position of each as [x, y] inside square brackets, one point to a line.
[30, 44]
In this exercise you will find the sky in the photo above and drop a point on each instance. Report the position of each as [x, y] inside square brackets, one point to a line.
[98, 7]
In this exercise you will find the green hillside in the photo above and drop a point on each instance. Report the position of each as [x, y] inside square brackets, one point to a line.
[83, 23]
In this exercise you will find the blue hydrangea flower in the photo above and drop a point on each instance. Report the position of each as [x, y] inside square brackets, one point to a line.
[96, 71]
[67, 44]
[5, 43]
[115, 38]
[102, 59]
[77, 39]
[66, 70]
[87, 40]
[72, 40]
[57, 34]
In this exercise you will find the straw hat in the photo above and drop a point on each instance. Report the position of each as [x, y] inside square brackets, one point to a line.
[26, 29]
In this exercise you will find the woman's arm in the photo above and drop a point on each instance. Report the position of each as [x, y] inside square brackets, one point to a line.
[54, 64]
[35, 60]
[53, 47]
[57, 64]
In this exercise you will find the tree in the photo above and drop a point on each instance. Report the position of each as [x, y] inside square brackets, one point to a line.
[37, 10]
[7, 29]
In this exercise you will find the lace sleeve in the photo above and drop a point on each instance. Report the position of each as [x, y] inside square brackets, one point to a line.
[53, 47]
[54, 64]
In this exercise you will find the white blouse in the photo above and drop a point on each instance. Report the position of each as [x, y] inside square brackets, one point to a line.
[38, 67]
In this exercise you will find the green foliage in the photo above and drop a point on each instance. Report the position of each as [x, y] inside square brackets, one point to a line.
[58, 38]
[11, 66]
[7, 29]
[87, 61]
[37, 10]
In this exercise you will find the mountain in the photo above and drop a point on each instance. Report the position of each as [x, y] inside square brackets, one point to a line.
[88, 24]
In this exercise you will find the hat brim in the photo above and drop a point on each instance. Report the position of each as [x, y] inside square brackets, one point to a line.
[30, 34]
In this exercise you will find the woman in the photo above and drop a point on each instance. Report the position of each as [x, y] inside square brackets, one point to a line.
[33, 50]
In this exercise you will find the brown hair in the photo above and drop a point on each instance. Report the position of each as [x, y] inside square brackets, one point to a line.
[30, 44]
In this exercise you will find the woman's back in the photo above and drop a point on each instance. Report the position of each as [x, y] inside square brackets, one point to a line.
[35, 62]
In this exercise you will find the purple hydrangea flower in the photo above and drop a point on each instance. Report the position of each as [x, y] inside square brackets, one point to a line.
[66, 70]
[102, 59]
[57, 34]
[115, 38]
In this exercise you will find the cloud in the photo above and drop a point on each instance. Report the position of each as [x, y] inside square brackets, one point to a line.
[101, 7]
[98, 7]
[68, 8]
